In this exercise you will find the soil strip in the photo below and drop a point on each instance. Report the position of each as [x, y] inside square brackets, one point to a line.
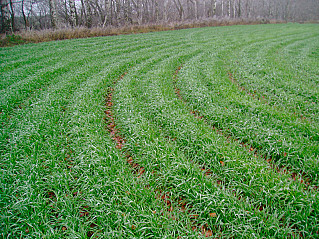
[299, 176]
[262, 99]
[139, 170]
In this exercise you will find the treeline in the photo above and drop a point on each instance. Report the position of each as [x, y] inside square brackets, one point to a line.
[47, 14]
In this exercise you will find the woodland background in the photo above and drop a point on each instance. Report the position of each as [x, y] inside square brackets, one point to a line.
[51, 14]
[23, 21]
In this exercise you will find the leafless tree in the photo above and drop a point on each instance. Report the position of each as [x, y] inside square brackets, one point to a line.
[73, 15]
[7, 16]
[53, 14]
[39, 14]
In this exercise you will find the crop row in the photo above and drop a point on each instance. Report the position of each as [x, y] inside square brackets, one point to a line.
[99, 139]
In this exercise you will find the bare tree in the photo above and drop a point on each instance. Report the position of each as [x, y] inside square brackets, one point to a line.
[53, 14]
[73, 15]
[25, 18]
[40, 14]
[180, 9]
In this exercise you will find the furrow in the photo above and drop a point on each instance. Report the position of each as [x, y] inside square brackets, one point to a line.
[300, 176]
[248, 120]
[304, 179]
[115, 133]
[256, 95]
[84, 72]
[172, 203]
[123, 87]
[219, 131]
[26, 88]
[267, 68]
[162, 135]
[50, 114]
[167, 197]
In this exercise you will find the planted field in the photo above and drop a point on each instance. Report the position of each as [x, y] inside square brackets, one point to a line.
[182, 134]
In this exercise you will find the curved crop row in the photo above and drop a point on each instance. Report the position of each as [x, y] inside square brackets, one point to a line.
[227, 161]
[67, 158]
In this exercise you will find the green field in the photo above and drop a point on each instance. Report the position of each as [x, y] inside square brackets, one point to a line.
[179, 134]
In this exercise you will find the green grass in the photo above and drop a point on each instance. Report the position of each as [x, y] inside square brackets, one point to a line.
[62, 176]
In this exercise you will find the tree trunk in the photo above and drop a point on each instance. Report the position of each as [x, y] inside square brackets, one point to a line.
[53, 14]
[196, 9]
[222, 8]
[25, 19]
[188, 7]
[111, 12]
[214, 4]
[139, 11]
[5, 16]
[12, 16]
[100, 11]
[156, 11]
[248, 9]
[180, 9]
[287, 11]
[107, 6]
[269, 10]
[117, 11]
[66, 14]
[83, 12]
[88, 14]
[127, 11]
[165, 11]
[73, 17]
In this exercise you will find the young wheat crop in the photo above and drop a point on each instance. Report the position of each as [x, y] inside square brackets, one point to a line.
[209, 132]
